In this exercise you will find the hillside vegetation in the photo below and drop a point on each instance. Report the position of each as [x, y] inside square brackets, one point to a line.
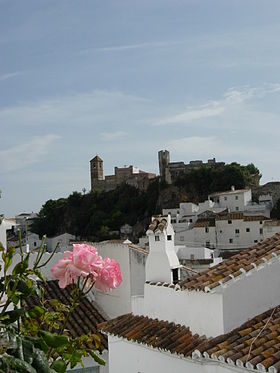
[96, 215]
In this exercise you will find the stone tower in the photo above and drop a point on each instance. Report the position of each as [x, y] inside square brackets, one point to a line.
[164, 160]
[96, 170]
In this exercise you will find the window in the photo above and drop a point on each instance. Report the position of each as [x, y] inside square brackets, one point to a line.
[255, 241]
[229, 222]
[192, 257]
[175, 275]
[206, 230]
[156, 238]
[247, 229]
[207, 244]
[35, 244]
[221, 231]
[236, 231]
[260, 221]
[236, 208]
[173, 221]
[190, 220]
[261, 231]
[230, 240]
[236, 197]
[169, 237]
[225, 198]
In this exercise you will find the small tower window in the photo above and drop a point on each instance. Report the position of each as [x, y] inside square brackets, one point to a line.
[169, 237]
[175, 275]
[156, 238]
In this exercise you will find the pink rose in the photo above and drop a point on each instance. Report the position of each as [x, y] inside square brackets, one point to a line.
[86, 258]
[65, 271]
[109, 277]
[85, 262]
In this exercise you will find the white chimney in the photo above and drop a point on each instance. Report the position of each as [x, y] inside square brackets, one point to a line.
[162, 262]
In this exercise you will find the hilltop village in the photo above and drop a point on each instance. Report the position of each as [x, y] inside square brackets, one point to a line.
[200, 290]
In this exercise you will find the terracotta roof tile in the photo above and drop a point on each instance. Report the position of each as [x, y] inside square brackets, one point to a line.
[85, 317]
[234, 266]
[178, 339]
[155, 333]
[158, 223]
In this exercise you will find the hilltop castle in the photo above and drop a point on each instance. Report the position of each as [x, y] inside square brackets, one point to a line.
[130, 175]
[170, 170]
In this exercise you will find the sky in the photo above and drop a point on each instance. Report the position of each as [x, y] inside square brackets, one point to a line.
[126, 78]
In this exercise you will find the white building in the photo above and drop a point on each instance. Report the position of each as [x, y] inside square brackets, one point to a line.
[225, 319]
[226, 221]
[131, 259]
[25, 221]
[65, 242]
[5, 226]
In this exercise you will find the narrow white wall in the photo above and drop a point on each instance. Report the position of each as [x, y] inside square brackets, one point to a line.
[254, 293]
[202, 312]
[137, 263]
[129, 357]
[118, 301]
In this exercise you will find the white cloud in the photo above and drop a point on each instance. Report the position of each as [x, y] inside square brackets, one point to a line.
[23, 155]
[125, 47]
[81, 109]
[112, 136]
[234, 100]
[206, 111]
[206, 147]
[9, 75]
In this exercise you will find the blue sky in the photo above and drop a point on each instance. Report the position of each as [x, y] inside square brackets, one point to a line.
[126, 78]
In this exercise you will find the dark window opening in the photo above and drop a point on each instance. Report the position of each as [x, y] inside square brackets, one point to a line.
[175, 275]
[169, 237]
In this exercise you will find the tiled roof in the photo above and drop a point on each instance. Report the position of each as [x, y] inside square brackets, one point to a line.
[235, 266]
[162, 335]
[200, 223]
[239, 216]
[254, 345]
[159, 223]
[85, 317]
[235, 191]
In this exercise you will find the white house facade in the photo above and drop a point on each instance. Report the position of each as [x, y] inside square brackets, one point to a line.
[225, 319]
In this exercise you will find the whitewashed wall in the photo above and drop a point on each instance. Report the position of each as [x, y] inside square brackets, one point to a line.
[255, 292]
[202, 312]
[243, 239]
[129, 357]
[117, 302]
[197, 252]
[219, 312]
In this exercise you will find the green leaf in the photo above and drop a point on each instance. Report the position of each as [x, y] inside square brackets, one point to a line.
[11, 316]
[76, 358]
[37, 311]
[54, 340]
[28, 350]
[18, 365]
[96, 357]
[8, 257]
[40, 362]
[21, 267]
[59, 366]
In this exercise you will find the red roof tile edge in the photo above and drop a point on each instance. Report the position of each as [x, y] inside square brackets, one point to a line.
[226, 273]
[253, 346]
